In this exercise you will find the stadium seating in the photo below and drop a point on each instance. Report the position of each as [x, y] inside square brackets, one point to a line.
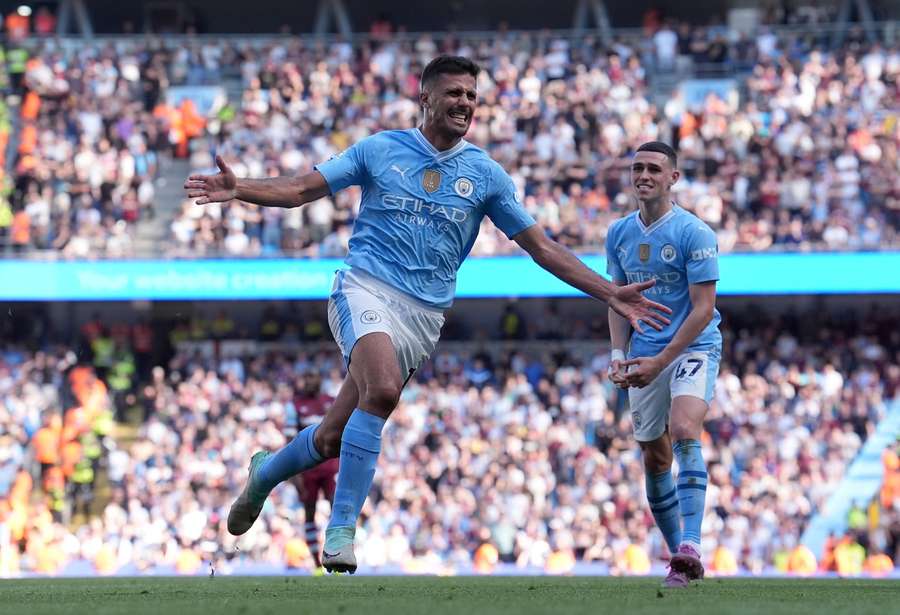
[93, 131]
[802, 162]
[518, 447]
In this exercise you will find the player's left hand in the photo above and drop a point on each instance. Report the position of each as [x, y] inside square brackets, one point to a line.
[631, 304]
[616, 374]
[641, 371]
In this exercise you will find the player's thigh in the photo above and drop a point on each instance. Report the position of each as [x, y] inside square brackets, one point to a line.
[686, 422]
[354, 312]
[362, 322]
[650, 408]
[342, 407]
[375, 367]
[692, 382]
[415, 332]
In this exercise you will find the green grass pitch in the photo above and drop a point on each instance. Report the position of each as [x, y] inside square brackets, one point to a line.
[437, 596]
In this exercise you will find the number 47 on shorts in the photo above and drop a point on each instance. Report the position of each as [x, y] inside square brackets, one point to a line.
[688, 368]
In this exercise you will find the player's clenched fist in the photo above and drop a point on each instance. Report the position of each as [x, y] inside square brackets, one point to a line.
[615, 372]
[641, 371]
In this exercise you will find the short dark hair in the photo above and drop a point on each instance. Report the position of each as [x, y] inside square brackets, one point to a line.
[661, 148]
[448, 65]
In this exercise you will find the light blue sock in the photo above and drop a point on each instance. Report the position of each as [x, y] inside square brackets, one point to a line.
[360, 446]
[663, 498]
[296, 456]
[692, 479]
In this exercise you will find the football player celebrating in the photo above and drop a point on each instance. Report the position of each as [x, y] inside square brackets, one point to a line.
[424, 193]
[669, 373]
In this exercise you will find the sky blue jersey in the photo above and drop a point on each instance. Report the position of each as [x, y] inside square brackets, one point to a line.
[677, 250]
[421, 208]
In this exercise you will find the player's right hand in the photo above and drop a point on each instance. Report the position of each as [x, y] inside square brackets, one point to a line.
[213, 188]
[636, 308]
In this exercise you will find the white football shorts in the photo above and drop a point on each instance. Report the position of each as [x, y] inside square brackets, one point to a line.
[361, 304]
[692, 373]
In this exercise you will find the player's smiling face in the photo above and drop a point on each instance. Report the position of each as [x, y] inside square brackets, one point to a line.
[450, 104]
[652, 175]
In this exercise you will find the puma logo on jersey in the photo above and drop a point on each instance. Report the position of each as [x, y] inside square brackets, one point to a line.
[402, 172]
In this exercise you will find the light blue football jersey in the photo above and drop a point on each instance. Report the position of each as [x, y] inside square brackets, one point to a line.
[677, 250]
[421, 208]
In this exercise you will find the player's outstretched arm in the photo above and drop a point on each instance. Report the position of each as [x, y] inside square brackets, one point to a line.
[626, 300]
[270, 192]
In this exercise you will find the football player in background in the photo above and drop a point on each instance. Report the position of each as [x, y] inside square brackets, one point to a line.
[669, 373]
[311, 405]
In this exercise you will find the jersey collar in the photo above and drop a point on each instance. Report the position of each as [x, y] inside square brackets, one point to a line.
[440, 156]
[649, 229]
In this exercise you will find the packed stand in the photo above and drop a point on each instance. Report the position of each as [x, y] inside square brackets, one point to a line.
[520, 455]
[872, 540]
[95, 128]
[55, 421]
[805, 160]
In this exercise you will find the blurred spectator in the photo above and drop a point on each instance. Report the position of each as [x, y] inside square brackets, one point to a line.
[849, 556]
[666, 43]
[44, 22]
[801, 562]
[878, 564]
[18, 24]
[724, 562]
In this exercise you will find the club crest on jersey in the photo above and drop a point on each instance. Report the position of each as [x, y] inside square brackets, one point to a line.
[370, 317]
[431, 180]
[667, 253]
[636, 420]
[463, 187]
[644, 252]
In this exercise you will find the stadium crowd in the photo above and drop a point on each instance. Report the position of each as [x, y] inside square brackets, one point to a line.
[94, 129]
[801, 160]
[804, 160]
[514, 452]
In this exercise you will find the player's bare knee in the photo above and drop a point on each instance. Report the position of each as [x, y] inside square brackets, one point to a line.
[657, 456]
[381, 398]
[685, 430]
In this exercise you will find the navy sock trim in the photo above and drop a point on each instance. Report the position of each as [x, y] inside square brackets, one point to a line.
[659, 500]
[693, 473]
[692, 486]
[666, 509]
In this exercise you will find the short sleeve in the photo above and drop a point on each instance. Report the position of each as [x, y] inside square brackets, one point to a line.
[702, 262]
[347, 168]
[504, 207]
[613, 264]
